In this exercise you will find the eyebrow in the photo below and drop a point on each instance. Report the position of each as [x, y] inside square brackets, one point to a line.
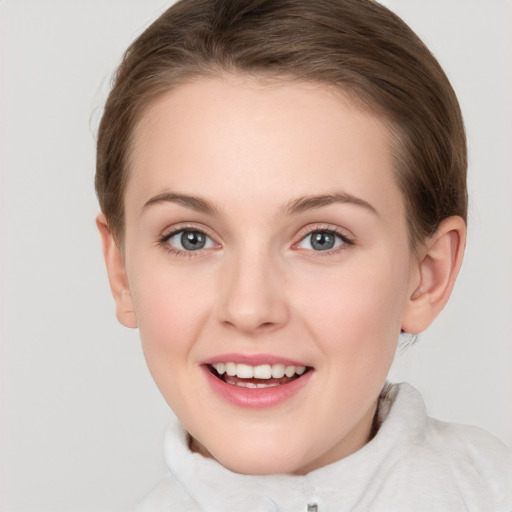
[317, 201]
[298, 205]
[192, 202]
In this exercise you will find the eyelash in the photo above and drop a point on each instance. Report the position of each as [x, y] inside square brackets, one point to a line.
[164, 239]
[329, 230]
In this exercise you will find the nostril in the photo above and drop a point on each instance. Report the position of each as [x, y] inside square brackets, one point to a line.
[249, 323]
[266, 325]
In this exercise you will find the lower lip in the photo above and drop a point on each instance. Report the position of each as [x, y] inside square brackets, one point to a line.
[256, 398]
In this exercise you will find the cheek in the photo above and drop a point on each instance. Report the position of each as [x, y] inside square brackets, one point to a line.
[357, 312]
[169, 306]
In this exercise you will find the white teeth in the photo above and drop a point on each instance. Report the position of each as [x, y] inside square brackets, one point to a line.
[231, 369]
[262, 371]
[246, 385]
[253, 385]
[220, 367]
[289, 371]
[278, 371]
[244, 371]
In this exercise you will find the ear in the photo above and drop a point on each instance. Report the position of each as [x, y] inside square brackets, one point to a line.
[117, 277]
[438, 266]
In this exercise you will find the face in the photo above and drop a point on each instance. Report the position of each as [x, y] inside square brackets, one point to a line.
[267, 259]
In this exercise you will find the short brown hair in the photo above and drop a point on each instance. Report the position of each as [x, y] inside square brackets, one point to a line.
[356, 45]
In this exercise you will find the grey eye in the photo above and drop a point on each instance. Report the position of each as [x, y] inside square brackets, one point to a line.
[193, 240]
[321, 241]
[190, 240]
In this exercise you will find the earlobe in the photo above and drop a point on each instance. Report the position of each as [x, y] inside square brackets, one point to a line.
[437, 270]
[117, 277]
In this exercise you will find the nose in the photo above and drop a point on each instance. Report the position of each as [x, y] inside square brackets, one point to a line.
[253, 297]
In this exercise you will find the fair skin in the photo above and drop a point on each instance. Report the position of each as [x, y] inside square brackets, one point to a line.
[264, 227]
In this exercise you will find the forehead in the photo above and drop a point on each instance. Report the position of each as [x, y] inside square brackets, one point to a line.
[240, 136]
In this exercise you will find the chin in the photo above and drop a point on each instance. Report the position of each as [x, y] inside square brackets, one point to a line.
[259, 461]
[258, 467]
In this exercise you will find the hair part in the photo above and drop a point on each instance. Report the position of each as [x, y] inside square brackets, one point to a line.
[358, 46]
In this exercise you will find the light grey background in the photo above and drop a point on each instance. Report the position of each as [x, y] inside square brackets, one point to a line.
[81, 420]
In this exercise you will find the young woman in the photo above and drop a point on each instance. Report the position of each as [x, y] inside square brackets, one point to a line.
[283, 192]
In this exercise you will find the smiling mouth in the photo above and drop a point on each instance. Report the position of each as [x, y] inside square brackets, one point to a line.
[257, 377]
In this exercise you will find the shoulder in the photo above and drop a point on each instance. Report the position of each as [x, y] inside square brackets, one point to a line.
[468, 442]
[473, 456]
[465, 462]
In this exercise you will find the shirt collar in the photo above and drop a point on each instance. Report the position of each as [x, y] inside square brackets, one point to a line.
[401, 414]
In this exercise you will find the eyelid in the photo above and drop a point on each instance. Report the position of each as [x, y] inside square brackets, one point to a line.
[186, 226]
[348, 239]
[173, 230]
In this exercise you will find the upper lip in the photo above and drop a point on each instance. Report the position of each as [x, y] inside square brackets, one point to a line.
[252, 359]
